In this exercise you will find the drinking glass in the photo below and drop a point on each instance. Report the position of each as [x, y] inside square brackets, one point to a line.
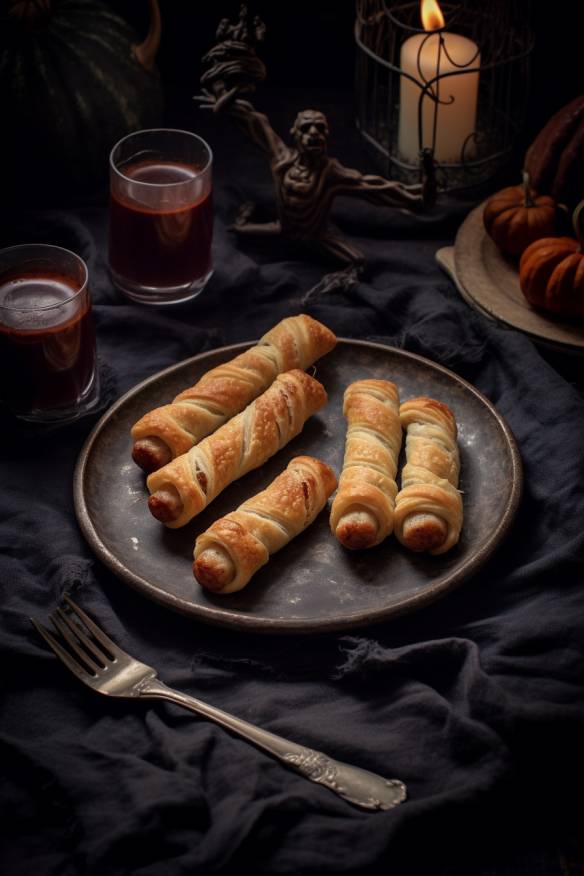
[161, 215]
[47, 337]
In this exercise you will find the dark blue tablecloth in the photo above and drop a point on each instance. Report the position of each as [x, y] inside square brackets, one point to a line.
[477, 702]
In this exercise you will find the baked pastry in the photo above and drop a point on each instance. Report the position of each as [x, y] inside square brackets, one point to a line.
[169, 431]
[362, 512]
[428, 508]
[237, 545]
[185, 486]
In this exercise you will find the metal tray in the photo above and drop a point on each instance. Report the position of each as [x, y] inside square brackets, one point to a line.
[313, 584]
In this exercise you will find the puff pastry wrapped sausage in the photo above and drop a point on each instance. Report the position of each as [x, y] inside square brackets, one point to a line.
[169, 431]
[362, 512]
[237, 545]
[185, 486]
[428, 512]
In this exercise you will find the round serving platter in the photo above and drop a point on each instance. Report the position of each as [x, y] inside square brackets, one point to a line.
[489, 282]
[313, 584]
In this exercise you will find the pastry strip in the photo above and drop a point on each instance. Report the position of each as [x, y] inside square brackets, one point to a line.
[237, 545]
[362, 512]
[170, 430]
[428, 512]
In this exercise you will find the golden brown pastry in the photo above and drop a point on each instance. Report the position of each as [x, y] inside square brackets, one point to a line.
[185, 486]
[362, 512]
[237, 545]
[428, 508]
[169, 431]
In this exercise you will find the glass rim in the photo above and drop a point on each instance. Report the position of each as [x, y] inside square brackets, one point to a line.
[138, 182]
[45, 247]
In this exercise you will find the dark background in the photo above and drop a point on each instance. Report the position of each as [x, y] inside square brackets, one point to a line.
[311, 43]
[309, 53]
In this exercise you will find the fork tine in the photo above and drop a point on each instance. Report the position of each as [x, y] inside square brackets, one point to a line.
[73, 635]
[69, 662]
[98, 633]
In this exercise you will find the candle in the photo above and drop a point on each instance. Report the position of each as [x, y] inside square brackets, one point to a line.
[425, 56]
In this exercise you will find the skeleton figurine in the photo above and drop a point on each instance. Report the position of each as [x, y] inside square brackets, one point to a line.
[306, 179]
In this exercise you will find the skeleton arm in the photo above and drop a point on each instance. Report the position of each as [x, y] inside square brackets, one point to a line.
[257, 127]
[375, 189]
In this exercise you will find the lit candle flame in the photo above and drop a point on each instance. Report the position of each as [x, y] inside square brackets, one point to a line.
[432, 18]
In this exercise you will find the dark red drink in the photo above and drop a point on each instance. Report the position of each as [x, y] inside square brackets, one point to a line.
[47, 343]
[161, 225]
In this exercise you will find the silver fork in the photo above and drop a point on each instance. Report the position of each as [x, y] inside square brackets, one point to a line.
[98, 662]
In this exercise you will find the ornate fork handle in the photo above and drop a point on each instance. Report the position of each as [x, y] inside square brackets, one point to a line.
[358, 786]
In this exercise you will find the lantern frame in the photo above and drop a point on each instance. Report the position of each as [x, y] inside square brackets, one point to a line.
[502, 31]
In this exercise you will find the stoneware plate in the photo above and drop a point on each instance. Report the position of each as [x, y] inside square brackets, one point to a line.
[489, 282]
[313, 584]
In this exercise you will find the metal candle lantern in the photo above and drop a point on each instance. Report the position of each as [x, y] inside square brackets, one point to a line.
[456, 85]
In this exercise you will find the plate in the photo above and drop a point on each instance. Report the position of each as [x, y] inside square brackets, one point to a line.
[489, 282]
[313, 584]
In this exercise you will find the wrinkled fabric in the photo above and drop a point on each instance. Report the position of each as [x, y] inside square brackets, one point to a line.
[476, 702]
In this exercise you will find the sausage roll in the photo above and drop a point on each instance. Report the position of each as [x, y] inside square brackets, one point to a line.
[428, 510]
[237, 545]
[183, 487]
[169, 431]
[362, 512]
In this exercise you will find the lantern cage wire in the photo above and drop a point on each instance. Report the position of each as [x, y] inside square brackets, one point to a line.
[502, 31]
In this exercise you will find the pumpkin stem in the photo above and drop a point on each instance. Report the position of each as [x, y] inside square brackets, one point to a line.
[145, 52]
[527, 199]
[578, 230]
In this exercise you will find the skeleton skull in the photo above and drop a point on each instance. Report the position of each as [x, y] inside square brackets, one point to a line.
[310, 132]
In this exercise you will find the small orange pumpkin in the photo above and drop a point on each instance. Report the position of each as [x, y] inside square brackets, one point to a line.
[516, 216]
[551, 272]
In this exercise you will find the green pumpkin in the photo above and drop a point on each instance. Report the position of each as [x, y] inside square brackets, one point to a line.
[73, 81]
